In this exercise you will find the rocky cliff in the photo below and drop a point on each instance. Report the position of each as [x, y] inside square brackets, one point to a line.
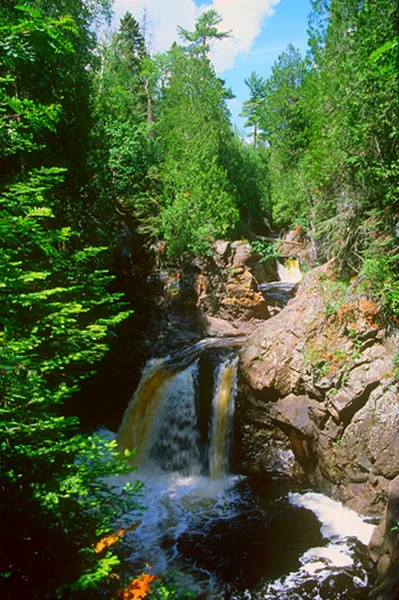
[319, 402]
[318, 382]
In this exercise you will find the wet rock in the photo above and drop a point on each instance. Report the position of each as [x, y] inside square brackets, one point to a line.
[220, 328]
[384, 548]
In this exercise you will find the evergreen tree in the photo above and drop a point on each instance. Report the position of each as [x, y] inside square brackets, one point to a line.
[198, 199]
[253, 107]
[56, 314]
[206, 31]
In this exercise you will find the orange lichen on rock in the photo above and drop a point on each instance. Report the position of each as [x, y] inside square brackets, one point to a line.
[139, 588]
[201, 284]
[369, 309]
[110, 540]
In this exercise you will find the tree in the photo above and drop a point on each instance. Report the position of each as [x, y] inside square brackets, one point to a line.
[56, 315]
[332, 126]
[253, 107]
[198, 200]
[283, 118]
[206, 30]
[125, 109]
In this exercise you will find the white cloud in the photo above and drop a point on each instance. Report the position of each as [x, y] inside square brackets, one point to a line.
[165, 16]
[243, 17]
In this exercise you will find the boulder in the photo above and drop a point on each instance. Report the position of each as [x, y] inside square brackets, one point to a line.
[384, 548]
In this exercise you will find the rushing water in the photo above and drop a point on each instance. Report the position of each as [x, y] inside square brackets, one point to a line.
[227, 536]
[222, 418]
[284, 289]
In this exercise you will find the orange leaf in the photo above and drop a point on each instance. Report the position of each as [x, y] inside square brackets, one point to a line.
[138, 588]
[110, 540]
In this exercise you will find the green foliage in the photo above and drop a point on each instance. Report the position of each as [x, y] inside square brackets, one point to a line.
[248, 173]
[331, 121]
[334, 295]
[206, 30]
[125, 110]
[177, 171]
[254, 106]
[380, 276]
[56, 315]
[50, 296]
[168, 587]
[267, 249]
[198, 199]
[277, 108]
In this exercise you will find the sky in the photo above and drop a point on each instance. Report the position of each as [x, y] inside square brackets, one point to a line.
[261, 30]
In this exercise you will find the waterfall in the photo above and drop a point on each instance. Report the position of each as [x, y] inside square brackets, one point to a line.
[222, 418]
[280, 292]
[289, 271]
[161, 422]
[209, 525]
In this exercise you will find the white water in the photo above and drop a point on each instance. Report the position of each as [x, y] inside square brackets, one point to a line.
[337, 525]
[337, 521]
[176, 505]
[289, 270]
[173, 504]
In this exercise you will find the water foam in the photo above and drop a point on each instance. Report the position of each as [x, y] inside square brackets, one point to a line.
[338, 525]
[337, 520]
[173, 504]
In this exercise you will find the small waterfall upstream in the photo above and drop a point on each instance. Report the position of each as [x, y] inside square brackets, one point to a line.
[290, 275]
[226, 536]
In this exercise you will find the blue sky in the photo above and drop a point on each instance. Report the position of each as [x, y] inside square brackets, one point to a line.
[287, 25]
[262, 29]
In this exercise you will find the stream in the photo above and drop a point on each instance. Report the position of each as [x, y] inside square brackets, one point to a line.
[226, 535]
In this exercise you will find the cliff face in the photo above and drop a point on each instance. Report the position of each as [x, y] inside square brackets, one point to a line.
[319, 395]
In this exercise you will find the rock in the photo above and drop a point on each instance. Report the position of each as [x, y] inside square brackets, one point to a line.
[295, 242]
[384, 548]
[294, 411]
[220, 328]
[389, 588]
[333, 397]
[221, 253]
[222, 248]
[241, 253]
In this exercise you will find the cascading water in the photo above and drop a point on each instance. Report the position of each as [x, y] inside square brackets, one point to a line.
[283, 290]
[222, 418]
[288, 270]
[161, 421]
[228, 536]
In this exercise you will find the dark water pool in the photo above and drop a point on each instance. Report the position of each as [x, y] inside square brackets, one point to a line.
[244, 538]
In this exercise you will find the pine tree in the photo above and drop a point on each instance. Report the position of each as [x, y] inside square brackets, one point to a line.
[253, 107]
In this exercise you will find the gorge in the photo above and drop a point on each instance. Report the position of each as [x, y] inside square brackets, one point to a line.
[313, 397]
